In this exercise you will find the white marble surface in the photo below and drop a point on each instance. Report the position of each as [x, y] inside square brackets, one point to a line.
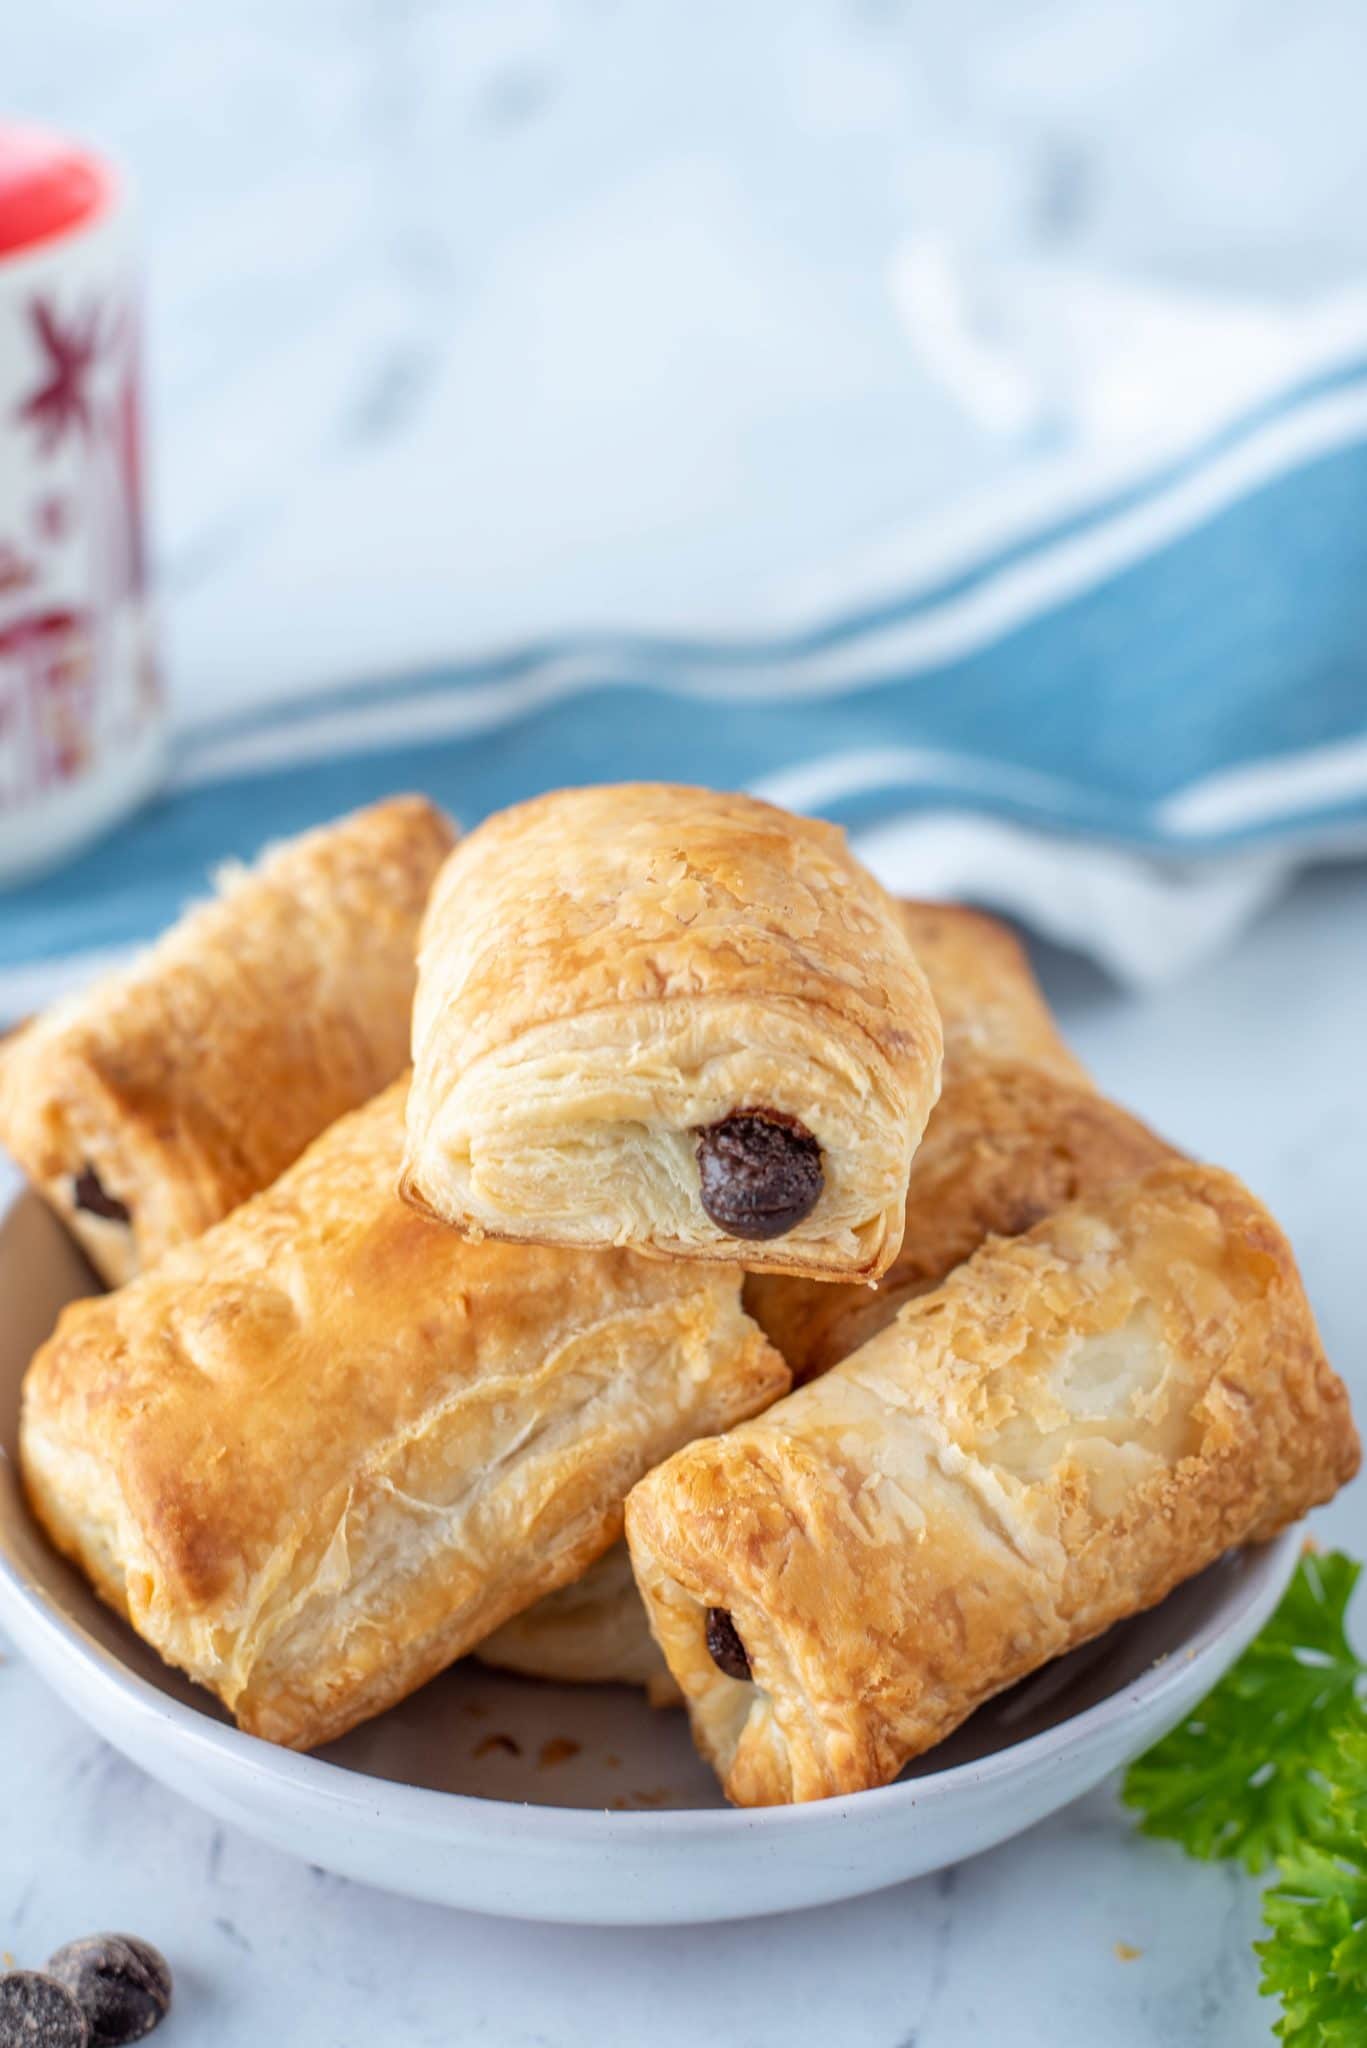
[1256, 1061]
[472, 319]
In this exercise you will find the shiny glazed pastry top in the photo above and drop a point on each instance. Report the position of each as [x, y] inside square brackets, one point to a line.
[671, 1019]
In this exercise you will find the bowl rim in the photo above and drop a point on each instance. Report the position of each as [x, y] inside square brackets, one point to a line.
[53, 1638]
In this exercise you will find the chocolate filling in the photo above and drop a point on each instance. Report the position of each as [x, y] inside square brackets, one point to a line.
[724, 1645]
[759, 1173]
[91, 1195]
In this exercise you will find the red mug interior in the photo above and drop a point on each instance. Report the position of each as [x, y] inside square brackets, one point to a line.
[47, 186]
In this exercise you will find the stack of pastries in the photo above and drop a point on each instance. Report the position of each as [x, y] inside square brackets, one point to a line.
[727, 1202]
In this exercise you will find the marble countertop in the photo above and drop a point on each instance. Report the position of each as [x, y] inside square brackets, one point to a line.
[473, 321]
[1256, 1061]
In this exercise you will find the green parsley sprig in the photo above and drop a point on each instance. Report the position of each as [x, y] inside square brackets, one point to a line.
[1271, 1768]
[1315, 1960]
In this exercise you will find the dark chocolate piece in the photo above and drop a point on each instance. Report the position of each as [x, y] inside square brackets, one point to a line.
[91, 1195]
[38, 2012]
[724, 1645]
[759, 1173]
[122, 1985]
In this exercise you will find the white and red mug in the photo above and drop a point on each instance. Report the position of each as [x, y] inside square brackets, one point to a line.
[82, 717]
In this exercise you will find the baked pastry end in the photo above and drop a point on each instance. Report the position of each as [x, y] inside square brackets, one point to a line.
[1076, 1421]
[676, 1021]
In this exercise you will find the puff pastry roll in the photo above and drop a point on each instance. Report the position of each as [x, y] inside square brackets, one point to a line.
[664, 1018]
[324, 1449]
[593, 1632]
[991, 1006]
[1077, 1420]
[1016, 1133]
[150, 1105]
[1006, 1145]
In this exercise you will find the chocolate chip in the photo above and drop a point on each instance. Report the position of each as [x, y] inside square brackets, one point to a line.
[121, 1984]
[724, 1645]
[91, 1195]
[38, 2012]
[759, 1173]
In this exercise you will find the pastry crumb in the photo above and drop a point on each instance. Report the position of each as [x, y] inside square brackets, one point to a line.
[1126, 1952]
[502, 1745]
[558, 1750]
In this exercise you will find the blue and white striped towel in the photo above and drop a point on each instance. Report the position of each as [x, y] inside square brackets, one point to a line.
[1012, 287]
[1126, 721]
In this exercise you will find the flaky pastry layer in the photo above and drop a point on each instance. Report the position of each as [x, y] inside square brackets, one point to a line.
[188, 1081]
[991, 1006]
[1075, 1421]
[1017, 1132]
[606, 972]
[326, 1448]
[1006, 1145]
[593, 1632]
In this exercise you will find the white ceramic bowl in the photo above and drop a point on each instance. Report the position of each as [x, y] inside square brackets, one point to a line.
[581, 1804]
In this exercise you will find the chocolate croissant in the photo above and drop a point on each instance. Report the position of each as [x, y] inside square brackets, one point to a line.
[659, 1017]
[324, 1449]
[1006, 1145]
[1017, 1132]
[1075, 1421]
[991, 1006]
[149, 1106]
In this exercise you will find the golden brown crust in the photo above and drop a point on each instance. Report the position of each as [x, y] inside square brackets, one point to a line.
[1017, 1132]
[1006, 1145]
[324, 1449]
[991, 1006]
[190, 1080]
[1075, 1421]
[606, 971]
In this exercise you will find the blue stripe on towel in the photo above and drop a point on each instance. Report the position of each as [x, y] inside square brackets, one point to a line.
[1241, 641]
[662, 655]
